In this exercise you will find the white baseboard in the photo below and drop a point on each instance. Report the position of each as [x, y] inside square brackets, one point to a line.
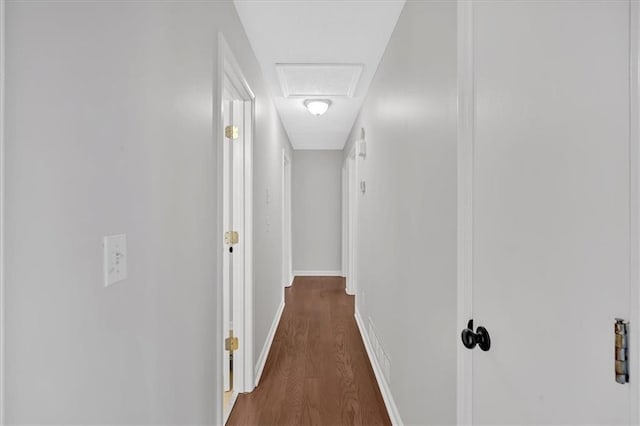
[290, 283]
[262, 359]
[392, 409]
[317, 273]
[232, 403]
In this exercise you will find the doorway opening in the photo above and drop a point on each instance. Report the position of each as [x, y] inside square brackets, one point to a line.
[235, 159]
[287, 255]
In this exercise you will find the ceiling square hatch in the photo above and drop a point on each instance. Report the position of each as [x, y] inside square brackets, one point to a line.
[318, 79]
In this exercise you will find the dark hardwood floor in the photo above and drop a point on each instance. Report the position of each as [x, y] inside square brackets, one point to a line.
[317, 372]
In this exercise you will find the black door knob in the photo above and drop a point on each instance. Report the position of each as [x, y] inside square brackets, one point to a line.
[480, 337]
[469, 338]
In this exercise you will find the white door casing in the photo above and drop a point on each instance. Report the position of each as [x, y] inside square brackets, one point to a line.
[548, 217]
[287, 253]
[345, 216]
[235, 206]
[2, 207]
[352, 222]
[346, 229]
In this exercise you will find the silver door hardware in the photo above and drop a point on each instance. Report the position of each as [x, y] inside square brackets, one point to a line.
[621, 329]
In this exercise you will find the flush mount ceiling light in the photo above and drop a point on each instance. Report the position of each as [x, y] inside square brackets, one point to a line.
[317, 107]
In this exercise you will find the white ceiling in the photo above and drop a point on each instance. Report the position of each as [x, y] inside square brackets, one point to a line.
[353, 32]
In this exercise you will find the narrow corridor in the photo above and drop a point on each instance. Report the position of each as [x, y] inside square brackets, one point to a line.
[317, 372]
[445, 193]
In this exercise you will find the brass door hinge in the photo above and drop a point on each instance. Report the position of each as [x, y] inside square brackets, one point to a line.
[231, 343]
[231, 132]
[231, 237]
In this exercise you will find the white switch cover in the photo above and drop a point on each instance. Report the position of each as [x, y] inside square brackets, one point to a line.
[362, 148]
[115, 259]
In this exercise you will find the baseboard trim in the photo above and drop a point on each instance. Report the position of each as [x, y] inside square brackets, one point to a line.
[232, 403]
[317, 273]
[392, 409]
[290, 283]
[262, 359]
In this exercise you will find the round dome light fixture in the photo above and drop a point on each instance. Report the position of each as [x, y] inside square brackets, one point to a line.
[317, 107]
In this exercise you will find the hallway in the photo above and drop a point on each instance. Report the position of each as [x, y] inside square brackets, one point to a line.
[327, 212]
[317, 372]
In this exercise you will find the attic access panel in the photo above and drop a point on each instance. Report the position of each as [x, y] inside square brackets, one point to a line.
[305, 80]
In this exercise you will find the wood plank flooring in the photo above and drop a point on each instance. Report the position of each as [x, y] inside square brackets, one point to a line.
[317, 372]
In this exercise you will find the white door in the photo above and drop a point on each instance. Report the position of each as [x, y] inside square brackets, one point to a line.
[550, 209]
[234, 244]
[235, 175]
[227, 266]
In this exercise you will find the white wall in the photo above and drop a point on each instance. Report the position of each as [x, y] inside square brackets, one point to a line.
[110, 129]
[270, 139]
[316, 199]
[407, 218]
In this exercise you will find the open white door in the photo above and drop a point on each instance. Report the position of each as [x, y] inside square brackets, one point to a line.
[545, 177]
[227, 267]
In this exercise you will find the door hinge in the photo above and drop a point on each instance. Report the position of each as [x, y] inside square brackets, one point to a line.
[231, 343]
[231, 132]
[621, 329]
[231, 237]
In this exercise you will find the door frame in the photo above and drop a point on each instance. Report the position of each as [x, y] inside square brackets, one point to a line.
[2, 207]
[287, 234]
[229, 73]
[466, 124]
[345, 218]
[346, 214]
[350, 228]
[634, 207]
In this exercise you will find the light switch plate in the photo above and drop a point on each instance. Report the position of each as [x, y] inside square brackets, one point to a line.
[362, 148]
[115, 259]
